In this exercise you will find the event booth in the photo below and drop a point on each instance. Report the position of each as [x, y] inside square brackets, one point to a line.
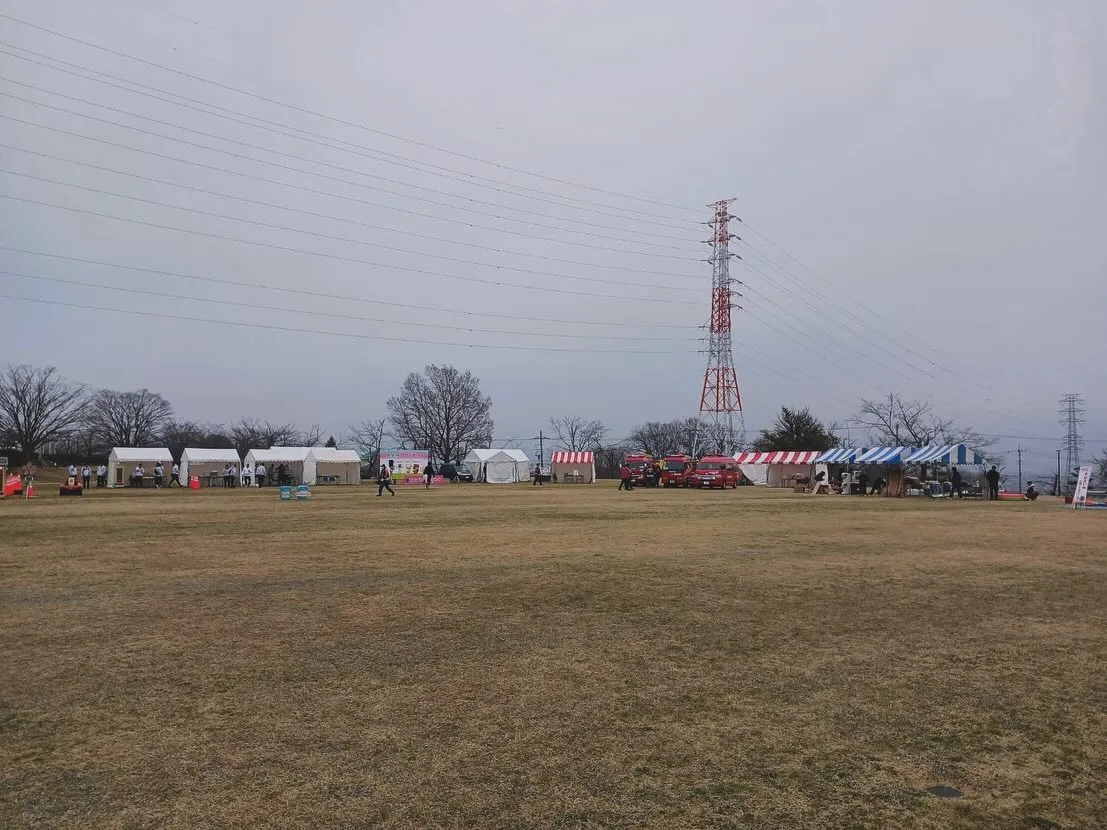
[573, 467]
[327, 465]
[291, 458]
[207, 465]
[123, 460]
[498, 466]
[777, 469]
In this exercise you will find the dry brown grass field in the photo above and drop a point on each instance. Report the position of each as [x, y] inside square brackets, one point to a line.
[481, 657]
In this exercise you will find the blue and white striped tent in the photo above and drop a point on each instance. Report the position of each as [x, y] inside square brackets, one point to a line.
[949, 454]
[884, 455]
[841, 455]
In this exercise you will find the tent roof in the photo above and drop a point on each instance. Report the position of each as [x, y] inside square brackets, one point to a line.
[330, 455]
[778, 457]
[884, 455]
[949, 454]
[280, 454]
[566, 457]
[841, 455]
[202, 455]
[497, 455]
[141, 454]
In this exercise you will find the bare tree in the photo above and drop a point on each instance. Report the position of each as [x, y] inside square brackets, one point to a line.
[659, 438]
[176, 435]
[251, 434]
[128, 419]
[900, 422]
[37, 405]
[576, 434]
[442, 410]
[312, 437]
[609, 459]
[367, 438]
[1101, 473]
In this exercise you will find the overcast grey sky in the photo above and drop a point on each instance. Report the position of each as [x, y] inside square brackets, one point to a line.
[938, 168]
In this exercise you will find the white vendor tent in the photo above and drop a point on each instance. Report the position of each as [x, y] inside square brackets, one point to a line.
[123, 460]
[777, 468]
[202, 463]
[293, 459]
[574, 467]
[498, 466]
[331, 466]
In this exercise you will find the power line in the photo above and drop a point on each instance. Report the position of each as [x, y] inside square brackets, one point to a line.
[885, 320]
[344, 298]
[333, 315]
[340, 258]
[358, 336]
[352, 241]
[605, 207]
[216, 168]
[400, 182]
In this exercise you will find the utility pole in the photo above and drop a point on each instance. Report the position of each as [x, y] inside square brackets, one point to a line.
[1020, 467]
[541, 448]
[1057, 478]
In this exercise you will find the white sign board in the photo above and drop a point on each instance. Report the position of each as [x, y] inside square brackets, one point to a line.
[1080, 496]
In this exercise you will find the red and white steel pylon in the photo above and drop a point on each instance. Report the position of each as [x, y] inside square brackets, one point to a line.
[722, 427]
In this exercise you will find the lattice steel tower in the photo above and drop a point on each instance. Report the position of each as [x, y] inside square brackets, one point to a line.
[722, 427]
[1072, 410]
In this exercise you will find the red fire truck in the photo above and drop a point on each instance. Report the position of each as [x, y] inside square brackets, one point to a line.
[638, 465]
[677, 470]
[715, 471]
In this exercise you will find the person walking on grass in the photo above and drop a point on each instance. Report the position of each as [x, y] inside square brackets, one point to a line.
[175, 475]
[384, 481]
[428, 474]
[993, 483]
[101, 476]
[159, 475]
[624, 478]
[955, 484]
[537, 475]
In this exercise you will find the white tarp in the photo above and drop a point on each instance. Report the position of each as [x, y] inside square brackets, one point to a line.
[343, 465]
[498, 466]
[756, 473]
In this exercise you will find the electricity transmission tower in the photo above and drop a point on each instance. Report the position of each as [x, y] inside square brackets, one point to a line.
[1072, 411]
[721, 427]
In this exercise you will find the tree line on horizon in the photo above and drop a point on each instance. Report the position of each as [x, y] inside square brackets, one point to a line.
[441, 409]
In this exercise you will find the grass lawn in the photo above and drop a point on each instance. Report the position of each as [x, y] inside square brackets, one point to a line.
[518, 657]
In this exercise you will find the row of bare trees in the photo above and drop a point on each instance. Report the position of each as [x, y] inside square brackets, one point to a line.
[40, 408]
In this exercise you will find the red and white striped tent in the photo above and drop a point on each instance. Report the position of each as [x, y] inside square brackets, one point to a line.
[573, 467]
[778, 457]
[776, 469]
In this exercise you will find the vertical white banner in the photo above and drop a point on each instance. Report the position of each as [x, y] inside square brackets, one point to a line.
[1080, 496]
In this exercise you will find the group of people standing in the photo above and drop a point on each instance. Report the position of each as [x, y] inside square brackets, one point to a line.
[86, 475]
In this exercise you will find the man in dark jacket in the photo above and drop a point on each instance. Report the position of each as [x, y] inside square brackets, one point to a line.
[955, 483]
[993, 484]
[384, 481]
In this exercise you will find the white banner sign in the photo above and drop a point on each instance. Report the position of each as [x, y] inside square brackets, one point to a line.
[1083, 480]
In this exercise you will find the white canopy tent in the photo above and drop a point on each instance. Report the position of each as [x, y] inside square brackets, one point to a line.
[123, 460]
[332, 466]
[293, 459]
[575, 467]
[200, 462]
[498, 466]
